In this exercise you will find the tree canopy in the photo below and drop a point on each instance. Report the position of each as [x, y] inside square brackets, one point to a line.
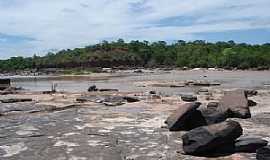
[145, 54]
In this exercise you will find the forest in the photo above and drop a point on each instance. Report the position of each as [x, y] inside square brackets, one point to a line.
[193, 54]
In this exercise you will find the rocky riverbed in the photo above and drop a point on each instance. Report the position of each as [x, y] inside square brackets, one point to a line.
[60, 126]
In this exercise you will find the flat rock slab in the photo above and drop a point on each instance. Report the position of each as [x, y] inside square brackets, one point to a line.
[86, 132]
[235, 103]
[16, 100]
[211, 139]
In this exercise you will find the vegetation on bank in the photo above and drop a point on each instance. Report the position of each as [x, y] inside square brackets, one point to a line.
[145, 54]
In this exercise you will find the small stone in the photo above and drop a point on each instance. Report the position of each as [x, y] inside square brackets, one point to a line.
[189, 98]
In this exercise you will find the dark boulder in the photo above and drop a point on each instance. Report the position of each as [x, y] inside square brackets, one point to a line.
[208, 140]
[4, 84]
[185, 117]
[92, 88]
[249, 145]
[263, 153]
[189, 98]
[131, 99]
[251, 103]
[235, 104]
[152, 92]
[251, 92]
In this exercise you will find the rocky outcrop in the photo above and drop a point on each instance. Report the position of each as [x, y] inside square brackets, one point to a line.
[249, 145]
[263, 153]
[235, 103]
[209, 139]
[183, 117]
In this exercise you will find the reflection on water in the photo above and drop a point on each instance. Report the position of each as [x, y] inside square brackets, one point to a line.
[229, 79]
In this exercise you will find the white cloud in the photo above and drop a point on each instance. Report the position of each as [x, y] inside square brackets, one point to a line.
[57, 24]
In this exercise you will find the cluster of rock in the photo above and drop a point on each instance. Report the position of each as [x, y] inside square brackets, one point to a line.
[94, 88]
[209, 131]
[188, 83]
[108, 100]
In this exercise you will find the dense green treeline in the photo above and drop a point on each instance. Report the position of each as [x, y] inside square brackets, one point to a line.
[145, 54]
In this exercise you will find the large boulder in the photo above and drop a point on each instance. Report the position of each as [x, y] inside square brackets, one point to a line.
[249, 145]
[235, 103]
[263, 153]
[185, 117]
[211, 139]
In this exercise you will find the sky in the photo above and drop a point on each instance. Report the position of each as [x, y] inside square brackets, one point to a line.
[30, 27]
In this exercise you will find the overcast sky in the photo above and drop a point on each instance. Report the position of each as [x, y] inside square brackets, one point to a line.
[38, 26]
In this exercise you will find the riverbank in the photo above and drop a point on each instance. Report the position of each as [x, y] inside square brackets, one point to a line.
[122, 117]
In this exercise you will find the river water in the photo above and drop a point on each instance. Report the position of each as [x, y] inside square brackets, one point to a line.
[126, 81]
